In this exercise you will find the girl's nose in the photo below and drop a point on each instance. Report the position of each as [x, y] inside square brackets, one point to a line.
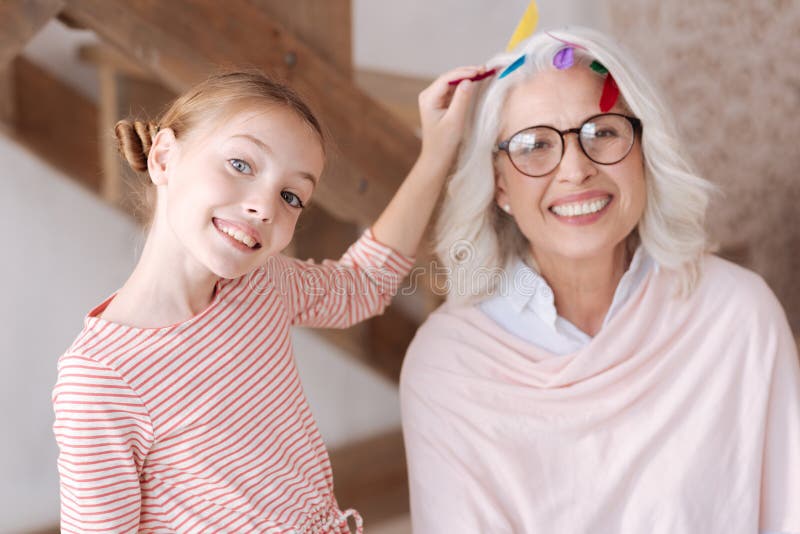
[262, 208]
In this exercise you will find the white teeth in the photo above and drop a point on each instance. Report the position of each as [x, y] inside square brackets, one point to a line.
[581, 208]
[240, 236]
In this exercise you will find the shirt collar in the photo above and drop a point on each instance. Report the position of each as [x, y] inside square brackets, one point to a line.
[528, 290]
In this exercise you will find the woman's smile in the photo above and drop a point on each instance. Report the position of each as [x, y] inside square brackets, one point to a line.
[583, 209]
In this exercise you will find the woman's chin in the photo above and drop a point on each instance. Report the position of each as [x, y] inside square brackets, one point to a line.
[576, 250]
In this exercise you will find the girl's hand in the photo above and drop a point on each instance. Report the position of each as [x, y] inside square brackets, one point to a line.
[443, 111]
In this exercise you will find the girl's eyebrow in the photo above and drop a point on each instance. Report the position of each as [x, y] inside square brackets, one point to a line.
[254, 140]
[309, 176]
[261, 144]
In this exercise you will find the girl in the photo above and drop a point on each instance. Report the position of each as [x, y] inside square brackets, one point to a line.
[178, 407]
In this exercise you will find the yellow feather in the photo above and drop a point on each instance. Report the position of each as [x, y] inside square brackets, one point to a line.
[526, 27]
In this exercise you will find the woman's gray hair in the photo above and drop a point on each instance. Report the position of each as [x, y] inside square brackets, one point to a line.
[475, 240]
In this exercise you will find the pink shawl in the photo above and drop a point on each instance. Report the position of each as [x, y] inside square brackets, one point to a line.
[680, 416]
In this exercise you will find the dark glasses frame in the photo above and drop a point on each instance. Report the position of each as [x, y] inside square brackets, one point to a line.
[636, 124]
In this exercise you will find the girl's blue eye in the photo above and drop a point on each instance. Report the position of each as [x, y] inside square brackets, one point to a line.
[240, 165]
[292, 199]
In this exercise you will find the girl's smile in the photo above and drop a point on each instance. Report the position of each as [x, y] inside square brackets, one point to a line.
[242, 236]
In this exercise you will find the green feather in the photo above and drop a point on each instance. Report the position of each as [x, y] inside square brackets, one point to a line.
[598, 67]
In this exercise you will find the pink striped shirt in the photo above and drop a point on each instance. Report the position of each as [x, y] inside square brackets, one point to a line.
[203, 426]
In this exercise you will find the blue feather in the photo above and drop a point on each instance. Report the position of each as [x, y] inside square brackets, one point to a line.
[514, 66]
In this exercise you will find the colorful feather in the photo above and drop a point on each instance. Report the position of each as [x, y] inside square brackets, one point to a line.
[514, 66]
[610, 94]
[525, 27]
[478, 77]
[598, 67]
[568, 43]
[564, 58]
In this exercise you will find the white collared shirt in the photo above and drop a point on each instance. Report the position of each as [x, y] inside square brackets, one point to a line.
[526, 306]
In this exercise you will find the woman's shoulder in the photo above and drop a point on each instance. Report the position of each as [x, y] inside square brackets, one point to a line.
[744, 293]
[434, 347]
[447, 320]
[722, 277]
[446, 328]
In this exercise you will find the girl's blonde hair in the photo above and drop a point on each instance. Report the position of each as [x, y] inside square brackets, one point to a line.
[218, 96]
[474, 237]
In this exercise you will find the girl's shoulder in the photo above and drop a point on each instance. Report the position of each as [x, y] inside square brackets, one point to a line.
[95, 349]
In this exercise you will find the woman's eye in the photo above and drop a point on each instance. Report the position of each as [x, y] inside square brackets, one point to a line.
[292, 199]
[537, 147]
[607, 132]
[240, 165]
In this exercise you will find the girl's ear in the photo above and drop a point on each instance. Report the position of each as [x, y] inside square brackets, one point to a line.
[161, 152]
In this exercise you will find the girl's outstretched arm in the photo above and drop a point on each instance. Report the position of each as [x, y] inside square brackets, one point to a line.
[443, 110]
[338, 294]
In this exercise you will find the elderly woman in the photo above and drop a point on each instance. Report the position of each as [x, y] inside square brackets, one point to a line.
[594, 369]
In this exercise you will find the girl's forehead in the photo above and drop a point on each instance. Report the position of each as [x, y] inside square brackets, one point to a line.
[249, 118]
[261, 119]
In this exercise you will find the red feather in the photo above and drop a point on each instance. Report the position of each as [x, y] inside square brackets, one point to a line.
[475, 78]
[610, 94]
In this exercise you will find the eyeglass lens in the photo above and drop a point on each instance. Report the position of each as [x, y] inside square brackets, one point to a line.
[605, 139]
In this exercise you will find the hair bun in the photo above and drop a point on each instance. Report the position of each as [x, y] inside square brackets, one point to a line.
[134, 141]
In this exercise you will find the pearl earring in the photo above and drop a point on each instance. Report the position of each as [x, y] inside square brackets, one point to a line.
[507, 208]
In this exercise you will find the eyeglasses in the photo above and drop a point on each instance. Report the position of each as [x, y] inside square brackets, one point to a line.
[605, 139]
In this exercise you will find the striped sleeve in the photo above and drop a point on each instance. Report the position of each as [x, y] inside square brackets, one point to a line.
[104, 432]
[339, 294]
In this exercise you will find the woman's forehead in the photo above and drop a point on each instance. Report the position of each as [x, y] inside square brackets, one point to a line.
[560, 98]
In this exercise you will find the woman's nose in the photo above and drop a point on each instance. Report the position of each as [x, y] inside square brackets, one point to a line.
[575, 166]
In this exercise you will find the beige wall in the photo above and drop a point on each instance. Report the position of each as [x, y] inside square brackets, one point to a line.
[423, 38]
[731, 71]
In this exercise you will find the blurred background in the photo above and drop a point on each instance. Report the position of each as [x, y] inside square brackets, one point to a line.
[69, 69]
